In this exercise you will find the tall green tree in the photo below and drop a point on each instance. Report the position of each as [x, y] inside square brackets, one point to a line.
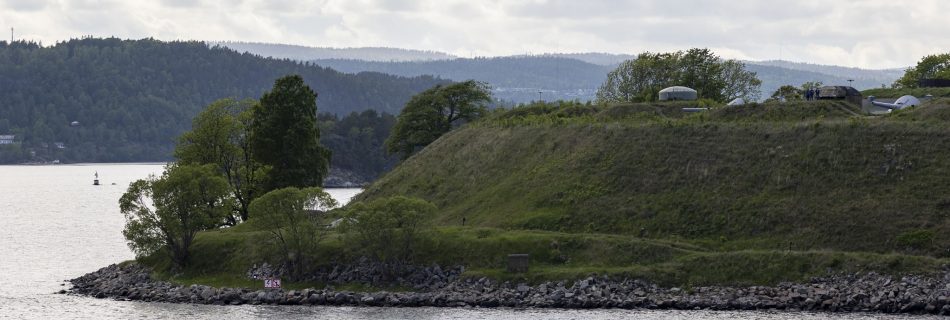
[284, 136]
[165, 213]
[219, 136]
[737, 82]
[713, 78]
[434, 112]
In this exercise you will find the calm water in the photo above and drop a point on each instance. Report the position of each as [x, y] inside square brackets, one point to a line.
[54, 225]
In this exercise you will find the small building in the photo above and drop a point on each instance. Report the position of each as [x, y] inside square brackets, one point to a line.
[7, 139]
[74, 124]
[678, 93]
[849, 94]
[59, 145]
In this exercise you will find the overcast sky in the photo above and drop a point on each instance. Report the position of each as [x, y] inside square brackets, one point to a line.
[869, 34]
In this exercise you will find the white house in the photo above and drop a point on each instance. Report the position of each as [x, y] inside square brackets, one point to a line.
[7, 139]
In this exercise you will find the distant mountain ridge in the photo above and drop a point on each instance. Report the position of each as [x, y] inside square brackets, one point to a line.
[568, 76]
[515, 79]
[519, 79]
[598, 58]
[304, 53]
[878, 76]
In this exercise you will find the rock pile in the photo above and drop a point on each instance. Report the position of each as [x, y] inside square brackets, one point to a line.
[857, 292]
[368, 272]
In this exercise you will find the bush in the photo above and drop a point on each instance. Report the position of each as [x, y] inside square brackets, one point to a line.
[916, 239]
[387, 229]
[289, 216]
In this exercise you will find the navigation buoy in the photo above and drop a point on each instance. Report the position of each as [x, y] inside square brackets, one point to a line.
[95, 182]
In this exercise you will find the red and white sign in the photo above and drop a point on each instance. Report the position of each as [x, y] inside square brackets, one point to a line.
[272, 283]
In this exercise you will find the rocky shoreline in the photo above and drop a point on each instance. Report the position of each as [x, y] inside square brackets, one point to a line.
[850, 293]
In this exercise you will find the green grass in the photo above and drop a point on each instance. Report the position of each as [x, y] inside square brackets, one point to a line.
[808, 176]
[557, 256]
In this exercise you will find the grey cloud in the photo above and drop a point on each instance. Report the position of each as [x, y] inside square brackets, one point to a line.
[870, 33]
[24, 5]
[182, 3]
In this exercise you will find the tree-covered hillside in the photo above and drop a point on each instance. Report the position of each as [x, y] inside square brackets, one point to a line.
[516, 79]
[874, 77]
[112, 100]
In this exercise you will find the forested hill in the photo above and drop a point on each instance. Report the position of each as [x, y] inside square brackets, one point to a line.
[515, 78]
[873, 76]
[131, 98]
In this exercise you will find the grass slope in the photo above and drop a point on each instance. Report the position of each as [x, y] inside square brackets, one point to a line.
[812, 176]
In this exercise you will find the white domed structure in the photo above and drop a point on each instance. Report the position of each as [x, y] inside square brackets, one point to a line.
[677, 93]
[901, 103]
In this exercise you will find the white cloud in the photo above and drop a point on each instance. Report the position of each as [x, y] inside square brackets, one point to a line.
[871, 33]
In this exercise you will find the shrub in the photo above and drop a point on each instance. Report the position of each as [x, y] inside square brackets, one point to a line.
[289, 216]
[387, 229]
[916, 239]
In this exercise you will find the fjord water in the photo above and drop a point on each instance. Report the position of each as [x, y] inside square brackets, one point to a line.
[55, 225]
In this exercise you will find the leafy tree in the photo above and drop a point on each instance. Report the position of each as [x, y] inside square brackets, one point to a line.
[286, 215]
[284, 136]
[929, 67]
[219, 136]
[641, 79]
[434, 112]
[167, 212]
[738, 82]
[787, 93]
[387, 228]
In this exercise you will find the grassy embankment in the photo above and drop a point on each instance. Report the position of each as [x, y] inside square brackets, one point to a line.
[744, 195]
